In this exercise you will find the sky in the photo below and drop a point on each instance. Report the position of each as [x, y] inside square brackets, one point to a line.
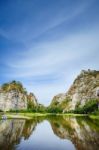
[46, 43]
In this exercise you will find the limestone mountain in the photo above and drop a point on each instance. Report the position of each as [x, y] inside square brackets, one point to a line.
[84, 89]
[13, 96]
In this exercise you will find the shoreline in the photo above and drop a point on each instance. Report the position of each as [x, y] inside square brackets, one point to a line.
[31, 115]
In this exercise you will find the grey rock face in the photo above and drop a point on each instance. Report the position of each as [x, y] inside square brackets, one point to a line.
[12, 100]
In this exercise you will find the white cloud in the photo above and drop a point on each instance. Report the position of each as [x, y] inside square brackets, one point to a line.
[29, 30]
[53, 56]
[60, 61]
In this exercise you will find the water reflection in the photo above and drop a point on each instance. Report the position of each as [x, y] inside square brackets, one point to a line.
[83, 133]
[11, 132]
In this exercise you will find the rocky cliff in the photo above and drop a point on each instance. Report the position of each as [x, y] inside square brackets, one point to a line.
[13, 96]
[84, 88]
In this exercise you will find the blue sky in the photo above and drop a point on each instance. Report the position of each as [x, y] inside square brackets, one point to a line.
[46, 43]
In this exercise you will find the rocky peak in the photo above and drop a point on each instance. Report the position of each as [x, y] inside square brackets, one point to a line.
[14, 96]
[32, 99]
[84, 88]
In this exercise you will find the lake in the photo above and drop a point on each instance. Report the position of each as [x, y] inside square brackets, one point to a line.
[50, 133]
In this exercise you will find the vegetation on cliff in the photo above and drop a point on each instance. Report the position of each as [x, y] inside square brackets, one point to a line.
[89, 107]
[14, 85]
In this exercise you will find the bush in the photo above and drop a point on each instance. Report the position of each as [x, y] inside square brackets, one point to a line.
[14, 85]
[54, 110]
[89, 107]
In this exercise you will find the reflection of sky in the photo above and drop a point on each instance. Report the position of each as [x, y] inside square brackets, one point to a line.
[43, 138]
[44, 44]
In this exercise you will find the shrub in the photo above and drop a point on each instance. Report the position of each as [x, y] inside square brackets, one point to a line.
[54, 110]
[14, 85]
[90, 106]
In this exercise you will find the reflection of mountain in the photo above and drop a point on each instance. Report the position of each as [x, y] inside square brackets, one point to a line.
[11, 132]
[83, 133]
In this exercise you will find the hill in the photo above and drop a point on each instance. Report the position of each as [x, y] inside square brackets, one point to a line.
[13, 96]
[84, 92]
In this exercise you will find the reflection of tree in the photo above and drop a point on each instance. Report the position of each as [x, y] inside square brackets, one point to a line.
[84, 133]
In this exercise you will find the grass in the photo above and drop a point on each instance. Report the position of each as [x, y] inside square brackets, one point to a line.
[24, 115]
[11, 115]
[72, 114]
[94, 116]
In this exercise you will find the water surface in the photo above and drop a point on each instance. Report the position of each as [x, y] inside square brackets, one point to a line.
[50, 133]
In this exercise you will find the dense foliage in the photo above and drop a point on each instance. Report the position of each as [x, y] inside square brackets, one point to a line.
[89, 107]
[54, 110]
[14, 85]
